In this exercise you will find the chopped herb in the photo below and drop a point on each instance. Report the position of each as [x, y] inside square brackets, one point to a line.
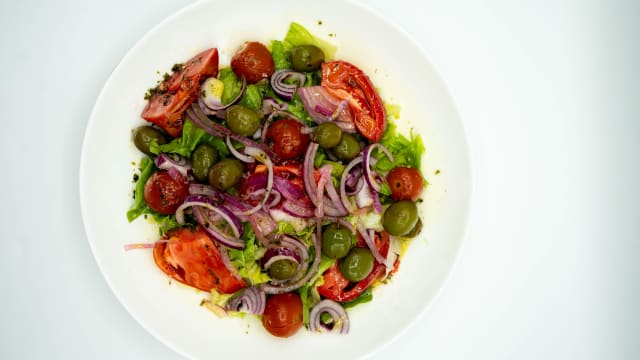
[177, 67]
[437, 172]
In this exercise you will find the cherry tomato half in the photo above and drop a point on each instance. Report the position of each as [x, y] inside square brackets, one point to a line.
[283, 314]
[253, 61]
[288, 140]
[163, 193]
[191, 257]
[166, 106]
[346, 81]
[406, 183]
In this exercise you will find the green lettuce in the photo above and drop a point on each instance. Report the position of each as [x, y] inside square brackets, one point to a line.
[298, 35]
[406, 152]
[191, 137]
[365, 297]
[246, 260]
[280, 55]
[253, 95]
[139, 206]
[232, 85]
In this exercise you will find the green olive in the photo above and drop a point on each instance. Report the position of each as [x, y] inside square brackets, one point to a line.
[203, 157]
[226, 173]
[357, 265]
[283, 269]
[416, 229]
[306, 58]
[144, 135]
[400, 218]
[328, 135]
[242, 120]
[336, 241]
[348, 148]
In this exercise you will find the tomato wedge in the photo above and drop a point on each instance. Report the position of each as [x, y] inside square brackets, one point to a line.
[166, 106]
[336, 286]
[348, 82]
[191, 257]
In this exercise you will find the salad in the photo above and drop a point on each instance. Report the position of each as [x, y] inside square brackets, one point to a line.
[279, 184]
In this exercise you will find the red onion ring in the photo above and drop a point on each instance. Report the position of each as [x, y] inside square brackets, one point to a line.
[369, 239]
[270, 105]
[366, 156]
[337, 313]
[279, 253]
[331, 191]
[205, 202]
[199, 119]
[259, 155]
[343, 181]
[294, 209]
[217, 106]
[274, 289]
[167, 162]
[237, 154]
[307, 173]
[284, 90]
[251, 300]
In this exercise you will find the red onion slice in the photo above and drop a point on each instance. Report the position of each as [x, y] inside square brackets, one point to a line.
[337, 313]
[270, 105]
[237, 154]
[209, 227]
[331, 191]
[199, 119]
[366, 164]
[274, 289]
[284, 90]
[279, 253]
[259, 155]
[251, 300]
[343, 182]
[323, 106]
[216, 106]
[294, 209]
[167, 162]
[307, 173]
[369, 239]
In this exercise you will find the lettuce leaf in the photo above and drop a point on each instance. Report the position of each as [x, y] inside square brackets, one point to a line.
[191, 137]
[139, 206]
[365, 297]
[246, 260]
[232, 85]
[252, 97]
[406, 152]
[280, 55]
[298, 35]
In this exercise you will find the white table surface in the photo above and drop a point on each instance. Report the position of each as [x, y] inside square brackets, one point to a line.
[548, 91]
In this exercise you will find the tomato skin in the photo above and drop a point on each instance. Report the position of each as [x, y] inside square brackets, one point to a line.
[288, 140]
[346, 81]
[283, 314]
[406, 183]
[163, 193]
[190, 257]
[166, 106]
[253, 61]
[335, 283]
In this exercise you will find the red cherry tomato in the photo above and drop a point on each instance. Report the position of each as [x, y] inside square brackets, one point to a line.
[283, 314]
[163, 193]
[406, 183]
[166, 106]
[288, 140]
[253, 61]
[191, 257]
[346, 81]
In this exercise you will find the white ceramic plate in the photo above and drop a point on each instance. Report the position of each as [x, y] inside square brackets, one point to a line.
[396, 66]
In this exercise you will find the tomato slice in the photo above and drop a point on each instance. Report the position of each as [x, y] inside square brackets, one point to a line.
[166, 106]
[190, 257]
[335, 285]
[348, 82]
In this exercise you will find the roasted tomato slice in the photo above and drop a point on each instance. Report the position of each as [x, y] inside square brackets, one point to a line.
[336, 287]
[166, 106]
[346, 81]
[191, 257]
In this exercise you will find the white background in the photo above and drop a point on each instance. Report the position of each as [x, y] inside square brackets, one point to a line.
[548, 92]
